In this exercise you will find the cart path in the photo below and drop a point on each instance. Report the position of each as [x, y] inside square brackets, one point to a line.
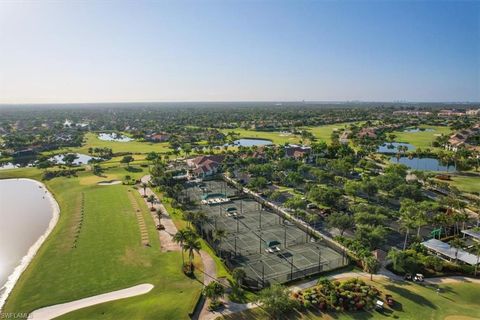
[209, 275]
[209, 268]
[60, 309]
[166, 236]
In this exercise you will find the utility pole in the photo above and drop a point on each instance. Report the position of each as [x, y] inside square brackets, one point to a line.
[291, 270]
[319, 260]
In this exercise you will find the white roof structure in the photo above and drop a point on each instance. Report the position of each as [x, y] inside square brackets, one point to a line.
[446, 250]
[472, 233]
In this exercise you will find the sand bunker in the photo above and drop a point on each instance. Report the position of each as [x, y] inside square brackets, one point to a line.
[109, 183]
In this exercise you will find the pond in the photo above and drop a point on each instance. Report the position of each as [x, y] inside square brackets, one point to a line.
[114, 137]
[425, 164]
[419, 130]
[81, 159]
[18, 163]
[246, 142]
[392, 147]
[8, 165]
[28, 212]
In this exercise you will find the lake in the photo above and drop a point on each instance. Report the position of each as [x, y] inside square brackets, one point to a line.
[82, 159]
[393, 147]
[419, 130]
[425, 164]
[26, 214]
[17, 163]
[245, 142]
[114, 137]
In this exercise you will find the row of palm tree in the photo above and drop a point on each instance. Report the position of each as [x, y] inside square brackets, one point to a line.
[190, 243]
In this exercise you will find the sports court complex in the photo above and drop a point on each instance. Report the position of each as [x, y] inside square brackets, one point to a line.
[269, 248]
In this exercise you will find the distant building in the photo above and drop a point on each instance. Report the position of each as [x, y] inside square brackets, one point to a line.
[459, 139]
[298, 152]
[412, 113]
[473, 112]
[367, 133]
[205, 166]
[451, 113]
[344, 137]
[159, 137]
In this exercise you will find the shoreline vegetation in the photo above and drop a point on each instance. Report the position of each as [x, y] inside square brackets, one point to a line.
[32, 251]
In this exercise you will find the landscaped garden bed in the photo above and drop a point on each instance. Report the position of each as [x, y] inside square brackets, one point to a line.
[349, 295]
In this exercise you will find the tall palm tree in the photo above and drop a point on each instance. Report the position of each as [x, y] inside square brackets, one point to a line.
[476, 249]
[144, 187]
[192, 245]
[181, 237]
[151, 199]
[199, 217]
[218, 236]
[159, 215]
[408, 215]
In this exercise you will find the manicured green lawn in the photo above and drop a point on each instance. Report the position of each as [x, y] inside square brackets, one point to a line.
[456, 301]
[109, 256]
[470, 183]
[321, 132]
[92, 141]
[324, 133]
[422, 139]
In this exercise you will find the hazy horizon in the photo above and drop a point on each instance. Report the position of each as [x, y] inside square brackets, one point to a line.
[254, 51]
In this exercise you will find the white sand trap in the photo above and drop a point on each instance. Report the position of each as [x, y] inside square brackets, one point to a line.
[109, 183]
[59, 309]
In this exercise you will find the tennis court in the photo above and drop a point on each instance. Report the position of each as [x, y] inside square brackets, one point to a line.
[269, 248]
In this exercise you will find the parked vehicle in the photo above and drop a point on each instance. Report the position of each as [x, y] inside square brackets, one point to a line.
[389, 299]
[418, 277]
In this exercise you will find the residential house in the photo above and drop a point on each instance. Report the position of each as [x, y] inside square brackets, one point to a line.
[205, 166]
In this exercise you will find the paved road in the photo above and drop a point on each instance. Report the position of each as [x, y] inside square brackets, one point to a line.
[59, 309]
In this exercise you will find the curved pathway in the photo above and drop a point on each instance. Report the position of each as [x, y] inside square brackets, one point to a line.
[209, 275]
[60, 309]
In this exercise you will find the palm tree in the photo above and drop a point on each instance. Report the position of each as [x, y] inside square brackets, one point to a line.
[214, 290]
[457, 244]
[181, 237]
[192, 245]
[476, 248]
[159, 215]
[239, 275]
[151, 198]
[408, 215]
[395, 256]
[144, 186]
[199, 217]
[188, 216]
[218, 236]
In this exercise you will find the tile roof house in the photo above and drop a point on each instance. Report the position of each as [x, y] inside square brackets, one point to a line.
[367, 133]
[298, 152]
[159, 137]
[204, 166]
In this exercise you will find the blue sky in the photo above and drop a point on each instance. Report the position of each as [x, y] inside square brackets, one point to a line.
[239, 51]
